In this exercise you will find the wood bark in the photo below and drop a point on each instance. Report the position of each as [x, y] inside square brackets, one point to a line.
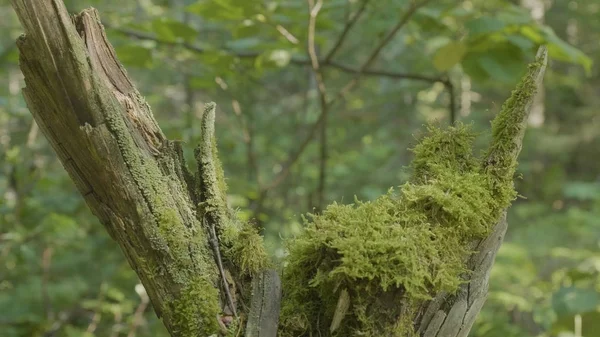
[453, 316]
[137, 183]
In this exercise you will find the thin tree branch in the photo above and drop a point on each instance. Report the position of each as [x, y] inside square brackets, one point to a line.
[452, 105]
[322, 166]
[217, 251]
[46, 262]
[314, 11]
[405, 18]
[320, 64]
[138, 316]
[383, 73]
[117, 327]
[345, 32]
[286, 33]
[358, 73]
[314, 62]
[97, 312]
[296, 61]
[412, 9]
[314, 59]
[296, 154]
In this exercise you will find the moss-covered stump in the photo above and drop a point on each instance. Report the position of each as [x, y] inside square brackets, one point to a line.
[412, 262]
[374, 268]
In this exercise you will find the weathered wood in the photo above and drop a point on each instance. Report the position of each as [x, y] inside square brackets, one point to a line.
[266, 300]
[453, 316]
[130, 175]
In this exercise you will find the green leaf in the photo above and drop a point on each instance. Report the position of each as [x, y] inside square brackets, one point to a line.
[472, 67]
[217, 10]
[505, 63]
[280, 57]
[572, 300]
[134, 55]
[435, 43]
[484, 25]
[449, 55]
[514, 15]
[510, 300]
[72, 331]
[519, 41]
[498, 70]
[204, 82]
[582, 190]
[532, 33]
[171, 30]
[277, 58]
[115, 294]
[246, 43]
[561, 50]
[564, 325]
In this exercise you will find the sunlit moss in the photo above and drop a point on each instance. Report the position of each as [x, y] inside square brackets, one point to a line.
[405, 247]
[390, 255]
[195, 312]
[500, 161]
[240, 241]
[244, 246]
[444, 149]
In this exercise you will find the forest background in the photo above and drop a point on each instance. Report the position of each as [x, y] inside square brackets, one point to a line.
[286, 154]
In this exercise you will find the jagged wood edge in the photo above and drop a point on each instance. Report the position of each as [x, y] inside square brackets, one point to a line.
[453, 316]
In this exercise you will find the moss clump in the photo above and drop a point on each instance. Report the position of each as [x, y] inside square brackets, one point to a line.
[442, 150]
[508, 128]
[196, 311]
[393, 253]
[245, 248]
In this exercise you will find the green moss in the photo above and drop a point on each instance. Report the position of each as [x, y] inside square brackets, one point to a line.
[195, 312]
[444, 149]
[391, 254]
[406, 247]
[245, 248]
[240, 242]
[212, 188]
[179, 249]
[508, 128]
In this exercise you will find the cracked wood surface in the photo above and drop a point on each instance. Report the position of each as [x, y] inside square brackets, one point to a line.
[104, 133]
[453, 316]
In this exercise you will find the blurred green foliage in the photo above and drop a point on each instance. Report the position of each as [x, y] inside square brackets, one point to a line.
[60, 273]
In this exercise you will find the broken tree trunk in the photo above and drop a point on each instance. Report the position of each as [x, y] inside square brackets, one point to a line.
[132, 178]
[453, 316]
[169, 222]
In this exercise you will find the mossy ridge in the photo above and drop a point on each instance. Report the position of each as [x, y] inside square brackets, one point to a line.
[196, 311]
[170, 238]
[406, 247]
[241, 243]
[508, 128]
